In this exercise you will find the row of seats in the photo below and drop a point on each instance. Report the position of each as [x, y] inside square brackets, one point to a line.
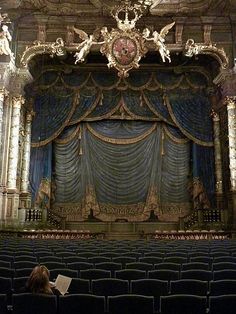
[127, 274]
[68, 257]
[24, 268]
[199, 262]
[125, 304]
[115, 286]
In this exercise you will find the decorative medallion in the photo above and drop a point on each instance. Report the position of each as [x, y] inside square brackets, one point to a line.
[123, 50]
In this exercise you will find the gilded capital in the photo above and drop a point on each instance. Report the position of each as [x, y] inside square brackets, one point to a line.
[29, 116]
[230, 101]
[18, 101]
[3, 93]
[215, 116]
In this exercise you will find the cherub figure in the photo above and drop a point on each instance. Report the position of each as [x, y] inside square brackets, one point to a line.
[85, 46]
[159, 40]
[5, 38]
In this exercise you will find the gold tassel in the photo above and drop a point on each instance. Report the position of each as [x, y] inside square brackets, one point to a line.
[80, 151]
[79, 135]
[162, 143]
[164, 99]
[141, 100]
[101, 100]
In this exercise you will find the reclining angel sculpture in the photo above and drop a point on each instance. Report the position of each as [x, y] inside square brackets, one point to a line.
[159, 40]
[85, 46]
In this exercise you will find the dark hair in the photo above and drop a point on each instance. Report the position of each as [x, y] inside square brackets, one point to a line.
[38, 281]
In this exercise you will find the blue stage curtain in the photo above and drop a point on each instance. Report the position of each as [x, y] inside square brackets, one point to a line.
[203, 167]
[191, 113]
[40, 175]
[53, 113]
[122, 163]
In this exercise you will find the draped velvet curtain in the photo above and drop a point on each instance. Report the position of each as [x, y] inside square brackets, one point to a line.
[120, 147]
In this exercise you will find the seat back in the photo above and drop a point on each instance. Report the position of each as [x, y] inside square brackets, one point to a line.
[189, 286]
[130, 274]
[170, 266]
[29, 303]
[3, 304]
[150, 287]
[25, 264]
[222, 304]
[179, 304]
[109, 286]
[79, 285]
[139, 266]
[127, 304]
[91, 274]
[18, 284]
[204, 275]
[110, 266]
[163, 274]
[195, 265]
[221, 287]
[223, 266]
[7, 272]
[151, 260]
[82, 304]
[224, 274]
[63, 271]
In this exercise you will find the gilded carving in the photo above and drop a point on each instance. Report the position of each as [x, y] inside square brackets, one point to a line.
[57, 48]
[193, 49]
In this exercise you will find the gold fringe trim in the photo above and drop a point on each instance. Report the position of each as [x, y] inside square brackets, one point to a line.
[149, 85]
[96, 102]
[69, 138]
[57, 133]
[121, 141]
[107, 115]
[155, 112]
[173, 138]
[188, 135]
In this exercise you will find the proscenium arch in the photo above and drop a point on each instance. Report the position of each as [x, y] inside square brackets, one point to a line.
[58, 48]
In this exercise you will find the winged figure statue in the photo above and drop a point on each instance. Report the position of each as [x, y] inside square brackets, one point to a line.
[159, 40]
[85, 46]
[5, 38]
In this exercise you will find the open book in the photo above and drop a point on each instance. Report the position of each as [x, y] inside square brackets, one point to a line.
[62, 283]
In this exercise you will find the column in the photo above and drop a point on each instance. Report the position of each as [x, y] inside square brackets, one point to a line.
[231, 109]
[3, 94]
[17, 102]
[24, 188]
[217, 147]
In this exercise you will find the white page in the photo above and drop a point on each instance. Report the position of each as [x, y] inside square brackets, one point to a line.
[62, 283]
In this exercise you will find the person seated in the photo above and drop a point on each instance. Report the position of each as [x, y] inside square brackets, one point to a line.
[38, 282]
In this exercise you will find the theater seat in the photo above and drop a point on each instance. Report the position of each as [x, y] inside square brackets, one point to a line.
[130, 304]
[180, 304]
[224, 304]
[81, 304]
[27, 303]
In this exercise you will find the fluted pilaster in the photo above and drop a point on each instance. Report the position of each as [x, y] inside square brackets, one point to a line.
[3, 94]
[231, 108]
[17, 102]
[217, 147]
[26, 154]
